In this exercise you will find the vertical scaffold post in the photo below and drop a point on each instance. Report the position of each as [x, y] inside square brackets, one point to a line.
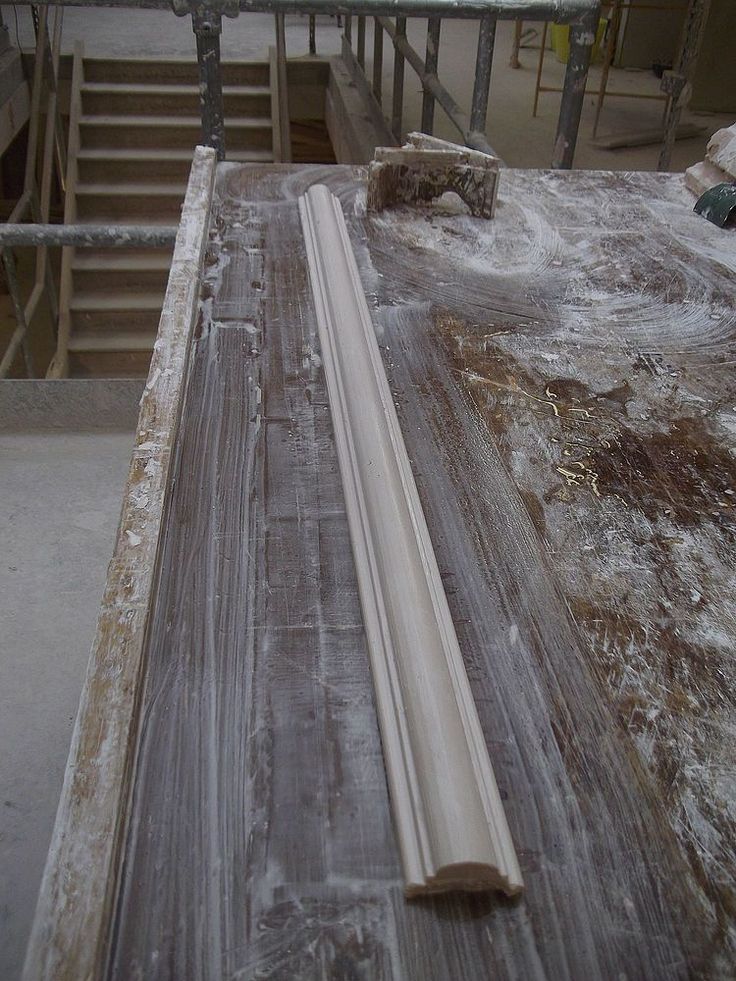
[483, 63]
[430, 67]
[582, 36]
[397, 112]
[207, 27]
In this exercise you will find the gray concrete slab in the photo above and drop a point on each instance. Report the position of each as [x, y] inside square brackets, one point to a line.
[60, 496]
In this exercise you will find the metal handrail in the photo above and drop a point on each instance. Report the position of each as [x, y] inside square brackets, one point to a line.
[471, 128]
[560, 11]
[581, 15]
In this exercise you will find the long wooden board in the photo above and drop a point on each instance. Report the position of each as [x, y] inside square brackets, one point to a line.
[70, 927]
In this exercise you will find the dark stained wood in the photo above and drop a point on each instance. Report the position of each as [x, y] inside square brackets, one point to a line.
[561, 375]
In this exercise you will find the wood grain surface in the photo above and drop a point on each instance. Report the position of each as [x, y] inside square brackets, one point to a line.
[562, 379]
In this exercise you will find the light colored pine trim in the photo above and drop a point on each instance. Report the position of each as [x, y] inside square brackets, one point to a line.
[450, 823]
[72, 917]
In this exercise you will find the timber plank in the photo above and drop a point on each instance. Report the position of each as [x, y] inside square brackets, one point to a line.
[586, 331]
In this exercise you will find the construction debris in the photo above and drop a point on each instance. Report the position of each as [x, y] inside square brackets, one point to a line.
[425, 168]
[719, 166]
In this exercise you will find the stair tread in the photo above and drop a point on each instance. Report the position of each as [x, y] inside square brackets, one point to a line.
[166, 62]
[117, 301]
[123, 263]
[172, 122]
[101, 340]
[144, 154]
[167, 88]
[131, 188]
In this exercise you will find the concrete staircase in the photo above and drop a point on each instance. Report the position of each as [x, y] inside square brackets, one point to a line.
[133, 127]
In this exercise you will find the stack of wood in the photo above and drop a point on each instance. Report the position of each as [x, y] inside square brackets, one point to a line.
[719, 166]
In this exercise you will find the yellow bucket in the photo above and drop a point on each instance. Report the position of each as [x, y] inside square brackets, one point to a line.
[561, 40]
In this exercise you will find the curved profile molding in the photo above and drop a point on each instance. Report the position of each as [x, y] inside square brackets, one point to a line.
[450, 823]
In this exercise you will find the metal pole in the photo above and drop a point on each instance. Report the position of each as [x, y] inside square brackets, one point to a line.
[514, 60]
[20, 335]
[207, 28]
[540, 66]
[455, 114]
[361, 42]
[398, 89]
[483, 62]
[348, 32]
[560, 11]
[312, 34]
[109, 236]
[613, 29]
[377, 60]
[677, 83]
[431, 59]
[582, 36]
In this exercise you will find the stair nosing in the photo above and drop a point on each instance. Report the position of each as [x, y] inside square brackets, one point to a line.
[169, 88]
[171, 122]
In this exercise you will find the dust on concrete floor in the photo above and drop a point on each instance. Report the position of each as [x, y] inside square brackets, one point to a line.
[61, 494]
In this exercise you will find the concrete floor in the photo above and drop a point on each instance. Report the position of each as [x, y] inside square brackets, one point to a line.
[61, 491]
[521, 140]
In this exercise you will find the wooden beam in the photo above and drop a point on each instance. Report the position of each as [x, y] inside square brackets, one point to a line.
[450, 823]
[72, 917]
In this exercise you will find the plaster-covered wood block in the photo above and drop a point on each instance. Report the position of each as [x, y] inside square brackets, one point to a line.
[722, 151]
[425, 168]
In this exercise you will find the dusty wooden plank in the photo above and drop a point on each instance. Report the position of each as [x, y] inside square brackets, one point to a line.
[282, 857]
[573, 370]
[70, 926]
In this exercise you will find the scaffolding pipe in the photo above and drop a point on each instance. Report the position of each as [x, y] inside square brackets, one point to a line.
[90, 236]
[560, 11]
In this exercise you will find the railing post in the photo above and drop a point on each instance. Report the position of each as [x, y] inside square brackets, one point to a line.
[430, 67]
[207, 27]
[282, 91]
[20, 334]
[312, 34]
[483, 64]
[582, 36]
[377, 60]
[398, 92]
[349, 29]
[361, 42]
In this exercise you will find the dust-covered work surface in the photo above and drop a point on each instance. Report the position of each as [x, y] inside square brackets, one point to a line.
[564, 380]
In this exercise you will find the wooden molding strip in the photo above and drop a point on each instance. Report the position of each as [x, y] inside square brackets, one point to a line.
[69, 932]
[450, 823]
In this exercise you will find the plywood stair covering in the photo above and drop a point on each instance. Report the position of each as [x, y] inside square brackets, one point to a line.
[133, 127]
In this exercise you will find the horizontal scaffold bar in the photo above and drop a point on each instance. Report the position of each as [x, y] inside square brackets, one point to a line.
[560, 11]
[110, 236]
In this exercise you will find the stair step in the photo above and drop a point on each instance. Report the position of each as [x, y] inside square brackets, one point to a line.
[109, 364]
[104, 272]
[135, 71]
[92, 340]
[116, 310]
[108, 98]
[159, 132]
[132, 189]
[132, 202]
[108, 165]
[128, 262]
[114, 302]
